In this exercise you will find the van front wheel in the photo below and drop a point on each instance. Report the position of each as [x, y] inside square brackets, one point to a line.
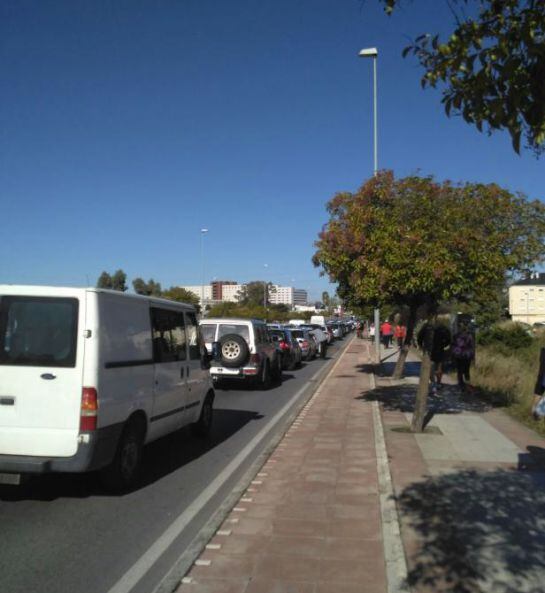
[123, 472]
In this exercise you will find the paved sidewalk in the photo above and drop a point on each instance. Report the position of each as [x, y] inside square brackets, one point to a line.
[470, 493]
[310, 522]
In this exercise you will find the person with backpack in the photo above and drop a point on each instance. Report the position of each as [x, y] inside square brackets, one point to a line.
[463, 352]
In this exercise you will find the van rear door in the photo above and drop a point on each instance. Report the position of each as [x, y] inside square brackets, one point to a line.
[41, 360]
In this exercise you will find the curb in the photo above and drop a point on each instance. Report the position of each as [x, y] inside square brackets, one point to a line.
[394, 552]
[176, 574]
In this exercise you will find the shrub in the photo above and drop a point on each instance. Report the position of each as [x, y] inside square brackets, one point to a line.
[505, 337]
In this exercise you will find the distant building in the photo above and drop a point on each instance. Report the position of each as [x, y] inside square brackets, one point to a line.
[527, 299]
[222, 290]
[287, 295]
[219, 291]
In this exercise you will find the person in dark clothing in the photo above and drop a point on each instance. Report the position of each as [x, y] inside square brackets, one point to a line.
[539, 388]
[435, 339]
[463, 352]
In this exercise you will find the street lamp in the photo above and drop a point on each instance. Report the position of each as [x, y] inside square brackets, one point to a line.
[203, 232]
[372, 52]
[265, 291]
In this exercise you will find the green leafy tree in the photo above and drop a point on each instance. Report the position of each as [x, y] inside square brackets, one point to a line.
[491, 67]
[105, 281]
[116, 281]
[415, 242]
[181, 295]
[255, 292]
[149, 288]
[119, 281]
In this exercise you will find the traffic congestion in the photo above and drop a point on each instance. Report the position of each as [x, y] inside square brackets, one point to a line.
[256, 352]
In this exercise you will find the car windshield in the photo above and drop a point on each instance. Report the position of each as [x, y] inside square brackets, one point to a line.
[233, 328]
[38, 331]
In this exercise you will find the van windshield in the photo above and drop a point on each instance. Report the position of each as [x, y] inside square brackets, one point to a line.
[38, 331]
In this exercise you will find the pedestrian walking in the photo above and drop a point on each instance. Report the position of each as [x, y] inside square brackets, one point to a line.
[386, 331]
[400, 332]
[372, 331]
[463, 352]
[435, 339]
[359, 329]
[539, 390]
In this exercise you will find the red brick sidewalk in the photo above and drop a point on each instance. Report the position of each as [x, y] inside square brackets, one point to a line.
[310, 520]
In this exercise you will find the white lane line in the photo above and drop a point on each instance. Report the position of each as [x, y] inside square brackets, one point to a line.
[164, 541]
[213, 546]
[203, 562]
[224, 531]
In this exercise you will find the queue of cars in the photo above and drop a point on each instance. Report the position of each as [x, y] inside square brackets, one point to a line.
[250, 350]
[89, 376]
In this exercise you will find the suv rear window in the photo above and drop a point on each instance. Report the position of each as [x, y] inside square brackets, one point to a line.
[38, 331]
[241, 330]
[208, 331]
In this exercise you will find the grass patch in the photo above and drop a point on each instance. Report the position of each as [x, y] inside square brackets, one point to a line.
[507, 377]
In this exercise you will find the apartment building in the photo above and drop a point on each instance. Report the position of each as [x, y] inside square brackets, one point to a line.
[288, 295]
[527, 299]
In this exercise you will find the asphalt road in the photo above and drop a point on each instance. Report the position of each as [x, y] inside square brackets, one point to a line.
[63, 533]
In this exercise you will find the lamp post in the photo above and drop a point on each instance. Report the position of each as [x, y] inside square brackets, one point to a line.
[203, 232]
[372, 52]
[265, 292]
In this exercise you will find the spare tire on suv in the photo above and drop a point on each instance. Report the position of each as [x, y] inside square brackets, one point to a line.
[234, 351]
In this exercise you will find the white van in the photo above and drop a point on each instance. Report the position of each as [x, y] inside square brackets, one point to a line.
[88, 376]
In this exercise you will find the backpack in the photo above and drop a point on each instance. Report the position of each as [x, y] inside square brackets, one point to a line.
[462, 346]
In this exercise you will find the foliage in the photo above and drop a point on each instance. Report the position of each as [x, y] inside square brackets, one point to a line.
[492, 66]
[279, 313]
[255, 292]
[181, 295]
[413, 240]
[116, 281]
[505, 337]
[506, 377]
[149, 288]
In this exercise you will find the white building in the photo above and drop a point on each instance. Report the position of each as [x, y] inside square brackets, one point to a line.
[527, 299]
[288, 295]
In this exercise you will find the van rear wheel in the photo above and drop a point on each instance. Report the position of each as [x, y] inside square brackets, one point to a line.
[202, 427]
[123, 472]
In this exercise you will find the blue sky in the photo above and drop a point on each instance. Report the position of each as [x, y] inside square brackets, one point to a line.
[126, 126]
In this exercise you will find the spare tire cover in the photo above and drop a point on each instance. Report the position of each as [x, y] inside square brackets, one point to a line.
[234, 351]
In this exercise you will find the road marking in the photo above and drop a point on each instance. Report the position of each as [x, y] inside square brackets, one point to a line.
[224, 531]
[203, 562]
[164, 541]
[246, 499]
[239, 510]
[187, 580]
[213, 546]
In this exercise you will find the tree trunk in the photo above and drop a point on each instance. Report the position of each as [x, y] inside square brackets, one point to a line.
[400, 364]
[420, 406]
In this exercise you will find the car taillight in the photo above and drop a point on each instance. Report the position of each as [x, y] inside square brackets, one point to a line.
[89, 409]
[304, 344]
[284, 345]
[255, 358]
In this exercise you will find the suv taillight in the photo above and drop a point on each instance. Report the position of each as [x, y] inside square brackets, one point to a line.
[89, 409]
[284, 345]
[304, 344]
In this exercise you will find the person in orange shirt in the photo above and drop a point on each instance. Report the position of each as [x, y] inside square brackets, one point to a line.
[386, 331]
[400, 332]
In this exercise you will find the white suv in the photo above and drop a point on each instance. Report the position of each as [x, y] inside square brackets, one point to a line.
[245, 350]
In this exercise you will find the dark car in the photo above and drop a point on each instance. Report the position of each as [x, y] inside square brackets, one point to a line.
[309, 346]
[288, 347]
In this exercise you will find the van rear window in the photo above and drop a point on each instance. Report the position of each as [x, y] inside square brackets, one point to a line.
[38, 331]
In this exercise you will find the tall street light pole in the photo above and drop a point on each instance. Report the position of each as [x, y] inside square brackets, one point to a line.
[372, 52]
[203, 232]
[265, 291]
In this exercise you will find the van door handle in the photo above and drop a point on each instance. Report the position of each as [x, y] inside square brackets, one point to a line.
[48, 376]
